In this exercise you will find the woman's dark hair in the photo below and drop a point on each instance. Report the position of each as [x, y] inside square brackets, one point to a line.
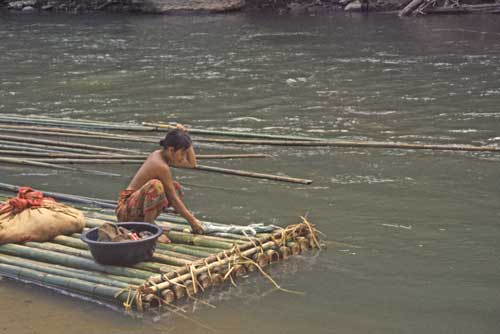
[177, 139]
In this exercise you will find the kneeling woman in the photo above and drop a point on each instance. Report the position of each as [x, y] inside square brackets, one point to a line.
[152, 188]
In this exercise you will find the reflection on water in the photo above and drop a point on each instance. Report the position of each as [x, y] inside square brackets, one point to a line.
[413, 235]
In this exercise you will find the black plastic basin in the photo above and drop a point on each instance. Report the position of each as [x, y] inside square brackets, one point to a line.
[124, 252]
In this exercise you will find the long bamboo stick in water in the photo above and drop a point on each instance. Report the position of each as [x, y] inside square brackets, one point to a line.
[10, 119]
[91, 135]
[29, 162]
[145, 127]
[252, 174]
[160, 126]
[48, 148]
[90, 157]
[352, 143]
[65, 144]
[291, 140]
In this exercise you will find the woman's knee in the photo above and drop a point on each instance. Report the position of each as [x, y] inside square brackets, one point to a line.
[155, 185]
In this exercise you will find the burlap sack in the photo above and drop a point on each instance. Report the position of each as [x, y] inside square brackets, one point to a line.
[40, 224]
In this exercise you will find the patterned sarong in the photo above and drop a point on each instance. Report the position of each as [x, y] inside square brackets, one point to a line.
[133, 205]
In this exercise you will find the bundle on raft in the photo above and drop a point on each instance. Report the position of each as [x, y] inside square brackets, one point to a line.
[187, 266]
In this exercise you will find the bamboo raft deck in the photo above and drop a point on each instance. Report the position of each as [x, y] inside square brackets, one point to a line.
[179, 270]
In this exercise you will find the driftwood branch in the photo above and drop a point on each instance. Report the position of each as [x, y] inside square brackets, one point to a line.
[425, 7]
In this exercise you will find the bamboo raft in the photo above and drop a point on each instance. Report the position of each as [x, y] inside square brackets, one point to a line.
[177, 271]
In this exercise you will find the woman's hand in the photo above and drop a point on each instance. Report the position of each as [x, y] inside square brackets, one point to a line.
[181, 127]
[197, 226]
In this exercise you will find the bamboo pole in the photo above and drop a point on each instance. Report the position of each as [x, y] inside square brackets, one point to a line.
[145, 127]
[81, 161]
[14, 149]
[185, 249]
[191, 249]
[146, 265]
[48, 148]
[304, 141]
[75, 156]
[89, 135]
[65, 144]
[68, 123]
[298, 229]
[61, 271]
[252, 174]
[66, 283]
[164, 255]
[177, 235]
[70, 261]
[113, 137]
[161, 285]
[29, 162]
[201, 240]
[160, 126]
[360, 144]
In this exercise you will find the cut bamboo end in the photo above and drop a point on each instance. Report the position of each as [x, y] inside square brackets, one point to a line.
[239, 271]
[204, 280]
[294, 248]
[180, 291]
[189, 287]
[304, 243]
[273, 255]
[312, 241]
[217, 279]
[284, 252]
[168, 296]
[261, 259]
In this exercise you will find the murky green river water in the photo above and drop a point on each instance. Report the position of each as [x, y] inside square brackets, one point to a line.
[424, 225]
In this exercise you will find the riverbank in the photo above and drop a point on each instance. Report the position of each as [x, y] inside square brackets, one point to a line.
[293, 7]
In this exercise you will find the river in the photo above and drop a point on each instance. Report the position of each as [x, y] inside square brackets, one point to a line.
[419, 229]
